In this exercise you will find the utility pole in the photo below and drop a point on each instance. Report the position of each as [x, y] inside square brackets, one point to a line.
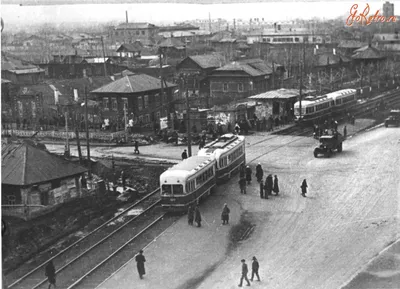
[188, 122]
[162, 86]
[301, 81]
[104, 57]
[87, 134]
[126, 125]
[273, 75]
[66, 131]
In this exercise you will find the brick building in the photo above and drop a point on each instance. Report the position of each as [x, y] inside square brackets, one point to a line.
[131, 32]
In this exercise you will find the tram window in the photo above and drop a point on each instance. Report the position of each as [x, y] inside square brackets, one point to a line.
[177, 189]
[166, 189]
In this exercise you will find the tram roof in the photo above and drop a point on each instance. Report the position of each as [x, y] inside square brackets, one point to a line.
[192, 163]
[342, 92]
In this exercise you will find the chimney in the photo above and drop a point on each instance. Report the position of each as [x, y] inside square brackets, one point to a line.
[126, 13]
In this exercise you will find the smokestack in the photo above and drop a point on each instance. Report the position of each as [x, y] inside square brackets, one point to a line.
[126, 13]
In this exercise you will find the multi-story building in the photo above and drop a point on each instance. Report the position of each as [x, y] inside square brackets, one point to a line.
[131, 32]
[388, 9]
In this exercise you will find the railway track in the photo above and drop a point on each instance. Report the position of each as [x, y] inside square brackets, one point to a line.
[94, 248]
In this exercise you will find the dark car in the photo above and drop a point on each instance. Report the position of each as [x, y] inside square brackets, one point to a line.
[394, 118]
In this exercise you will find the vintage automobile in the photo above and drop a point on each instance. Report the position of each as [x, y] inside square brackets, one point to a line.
[328, 144]
[394, 118]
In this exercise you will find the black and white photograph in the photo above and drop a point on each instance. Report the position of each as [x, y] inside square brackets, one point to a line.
[220, 144]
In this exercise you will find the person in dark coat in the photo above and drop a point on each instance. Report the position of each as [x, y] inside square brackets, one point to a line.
[136, 147]
[304, 188]
[262, 189]
[83, 182]
[242, 184]
[345, 131]
[184, 155]
[269, 183]
[50, 273]
[242, 171]
[248, 175]
[259, 172]
[197, 216]
[140, 259]
[225, 215]
[245, 270]
[254, 269]
[190, 215]
[276, 185]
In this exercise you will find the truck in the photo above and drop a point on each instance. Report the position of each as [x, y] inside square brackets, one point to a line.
[394, 118]
[329, 144]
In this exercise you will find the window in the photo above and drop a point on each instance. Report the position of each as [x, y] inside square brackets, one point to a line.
[225, 88]
[240, 87]
[147, 118]
[141, 119]
[177, 189]
[296, 39]
[146, 101]
[158, 116]
[143, 32]
[33, 105]
[166, 190]
[55, 184]
[125, 102]
[105, 103]
[140, 103]
[114, 103]
[137, 32]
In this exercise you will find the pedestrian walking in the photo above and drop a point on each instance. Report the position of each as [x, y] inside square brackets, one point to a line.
[276, 185]
[259, 172]
[140, 259]
[242, 171]
[50, 273]
[190, 215]
[262, 189]
[345, 131]
[353, 120]
[225, 215]
[335, 125]
[269, 183]
[245, 270]
[197, 216]
[136, 147]
[242, 184]
[248, 175]
[304, 188]
[254, 269]
[184, 155]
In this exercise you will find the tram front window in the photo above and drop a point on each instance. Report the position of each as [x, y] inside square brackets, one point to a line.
[166, 189]
[178, 189]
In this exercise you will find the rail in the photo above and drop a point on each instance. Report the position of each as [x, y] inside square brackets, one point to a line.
[83, 238]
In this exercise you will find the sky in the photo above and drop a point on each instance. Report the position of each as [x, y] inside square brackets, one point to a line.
[156, 12]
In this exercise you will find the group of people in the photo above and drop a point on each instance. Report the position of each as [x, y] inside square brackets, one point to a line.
[194, 215]
[254, 271]
[271, 184]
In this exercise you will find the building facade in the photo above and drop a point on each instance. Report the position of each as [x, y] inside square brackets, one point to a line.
[131, 32]
[388, 9]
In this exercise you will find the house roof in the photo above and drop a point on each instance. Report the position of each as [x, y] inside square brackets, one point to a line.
[5, 81]
[386, 37]
[253, 67]
[134, 47]
[328, 58]
[172, 42]
[138, 25]
[132, 84]
[368, 53]
[26, 71]
[282, 93]
[9, 62]
[21, 163]
[351, 44]
[208, 61]
[227, 40]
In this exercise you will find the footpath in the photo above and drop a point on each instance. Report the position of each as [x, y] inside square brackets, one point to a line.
[183, 256]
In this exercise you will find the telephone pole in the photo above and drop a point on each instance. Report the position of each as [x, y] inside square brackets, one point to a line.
[104, 57]
[189, 139]
[66, 132]
[87, 134]
[301, 81]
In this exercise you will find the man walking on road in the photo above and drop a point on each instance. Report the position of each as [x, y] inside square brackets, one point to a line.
[225, 215]
[136, 147]
[140, 259]
[50, 273]
[197, 216]
[345, 131]
[304, 188]
[276, 186]
[254, 269]
[248, 175]
[242, 184]
[245, 270]
[190, 215]
[184, 155]
[262, 190]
